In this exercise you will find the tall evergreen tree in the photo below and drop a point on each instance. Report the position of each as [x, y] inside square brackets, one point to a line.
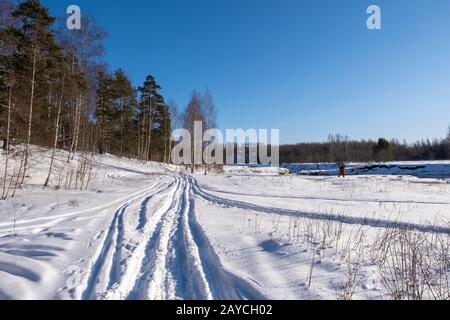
[150, 106]
[104, 111]
[125, 101]
[36, 48]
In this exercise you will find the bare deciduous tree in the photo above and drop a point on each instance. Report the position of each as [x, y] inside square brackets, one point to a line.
[199, 109]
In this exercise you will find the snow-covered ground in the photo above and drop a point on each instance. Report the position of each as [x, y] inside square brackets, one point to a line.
[150, 231]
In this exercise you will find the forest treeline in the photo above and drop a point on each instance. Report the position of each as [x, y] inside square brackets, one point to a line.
[340, 148]
[56, 91]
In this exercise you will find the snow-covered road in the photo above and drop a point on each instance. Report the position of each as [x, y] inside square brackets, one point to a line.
[175, 259]
[142, 244]
[149, 231]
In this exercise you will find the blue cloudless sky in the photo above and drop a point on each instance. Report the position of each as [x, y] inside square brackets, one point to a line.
[309, 68]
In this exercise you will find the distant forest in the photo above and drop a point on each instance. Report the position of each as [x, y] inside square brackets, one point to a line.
[340, 148]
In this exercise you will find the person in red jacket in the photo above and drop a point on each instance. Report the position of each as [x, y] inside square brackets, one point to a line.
[342, 170]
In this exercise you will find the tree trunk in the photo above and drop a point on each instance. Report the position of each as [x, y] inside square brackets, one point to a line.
[72, 143]
[139, 138]
[55, 144]
[77, 126]
[30, 118]
[144, 137]
[6, 144]
[150, 123]
[149, 133]
[121, 125]
[101, 147]
[166, 158]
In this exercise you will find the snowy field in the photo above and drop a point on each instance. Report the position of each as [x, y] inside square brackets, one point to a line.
[150, 231]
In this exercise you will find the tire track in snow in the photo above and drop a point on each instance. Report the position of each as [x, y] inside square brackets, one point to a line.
[153, 271]
[105, 272]
[114, 274]
[135, 280]
[144, 204]
[180, 263]
[325, 199]
[109, 249]
[371, 222]
[187, 279]
[224, 285]
[131, 266]
[174, 260]
[53, 220]
[194, 270]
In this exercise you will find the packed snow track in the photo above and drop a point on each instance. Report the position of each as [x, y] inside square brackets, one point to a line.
[175, 261]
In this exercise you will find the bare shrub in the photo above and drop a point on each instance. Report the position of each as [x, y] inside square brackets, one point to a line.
[352, 259]
[413, 265]
[74, 203]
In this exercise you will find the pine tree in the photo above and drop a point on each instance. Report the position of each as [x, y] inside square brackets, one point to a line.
[104, 111]
[124, 97]
[36, 48]
[150, 106]
[7, 80]
[167, 134]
